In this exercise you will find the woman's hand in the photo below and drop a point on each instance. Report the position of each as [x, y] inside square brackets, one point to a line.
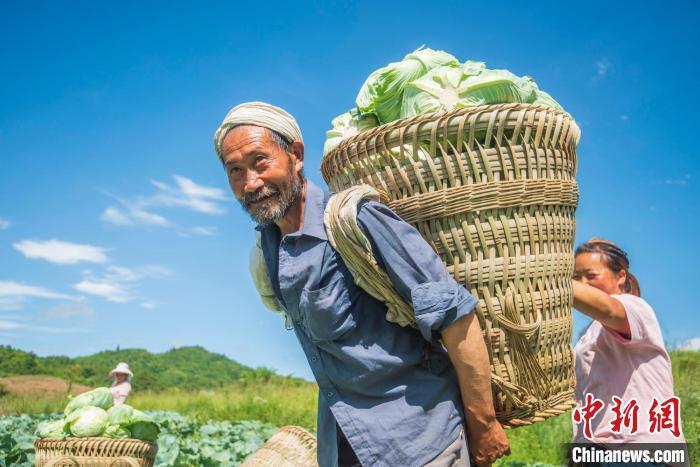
[601, 307]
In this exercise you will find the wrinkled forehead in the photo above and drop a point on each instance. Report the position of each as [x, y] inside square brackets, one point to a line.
[244, 139]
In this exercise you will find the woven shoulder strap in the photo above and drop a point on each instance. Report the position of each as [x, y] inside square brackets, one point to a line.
[261, 278]
[348, 239]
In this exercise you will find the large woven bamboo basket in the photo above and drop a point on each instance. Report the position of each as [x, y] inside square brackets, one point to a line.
[492, 189]
[291, 446]
[94, 452]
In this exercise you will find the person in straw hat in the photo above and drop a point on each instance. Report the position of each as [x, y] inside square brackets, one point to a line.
[388, 395]
[121, 387]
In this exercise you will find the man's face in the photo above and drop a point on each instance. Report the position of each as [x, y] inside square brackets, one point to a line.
[265, 179]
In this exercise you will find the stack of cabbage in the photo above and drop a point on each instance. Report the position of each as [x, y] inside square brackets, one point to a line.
[427, 81]
[93, 414]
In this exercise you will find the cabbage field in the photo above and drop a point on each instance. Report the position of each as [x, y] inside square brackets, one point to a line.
[183, 441]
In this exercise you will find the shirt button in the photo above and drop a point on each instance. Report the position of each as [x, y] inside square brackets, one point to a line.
[329, 394]
[314, 358]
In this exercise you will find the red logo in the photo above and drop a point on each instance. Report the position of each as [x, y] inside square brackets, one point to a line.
[665, 416]
[586, 414]
[626, 416]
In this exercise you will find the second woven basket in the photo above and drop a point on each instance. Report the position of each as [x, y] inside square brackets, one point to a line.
[94, 452]
[492, 189]
[291, 446]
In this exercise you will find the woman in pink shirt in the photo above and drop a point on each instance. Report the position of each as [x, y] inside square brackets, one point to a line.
[620, 358]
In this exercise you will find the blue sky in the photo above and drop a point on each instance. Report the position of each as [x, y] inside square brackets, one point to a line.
[116, 223]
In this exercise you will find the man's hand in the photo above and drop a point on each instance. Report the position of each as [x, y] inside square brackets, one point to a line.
[487, 444]
[467, 350]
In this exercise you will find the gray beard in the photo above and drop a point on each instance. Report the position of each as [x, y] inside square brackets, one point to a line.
[281, 200]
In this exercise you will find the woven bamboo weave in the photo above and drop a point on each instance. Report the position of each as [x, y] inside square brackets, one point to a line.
[291, 446]
[94, 452]
[492, 189]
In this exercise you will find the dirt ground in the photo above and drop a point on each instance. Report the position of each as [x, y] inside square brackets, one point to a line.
[40, 385]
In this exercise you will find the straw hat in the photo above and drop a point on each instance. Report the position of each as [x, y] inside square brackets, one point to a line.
[121, 368]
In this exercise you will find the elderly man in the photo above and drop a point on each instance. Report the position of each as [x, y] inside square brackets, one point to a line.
[388, 395]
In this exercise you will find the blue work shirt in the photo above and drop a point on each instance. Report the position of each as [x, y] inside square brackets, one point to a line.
[391, 389]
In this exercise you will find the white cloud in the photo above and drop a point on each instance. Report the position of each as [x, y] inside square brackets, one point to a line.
[13, 294]
[602, 69]
[9, 325]
[69, 311]
[190, 195]
[122, 274]
[59, 252]
[185, 193]
[691, 344]
[11, 303]
[678, 181]
[15, 289]
[149, 218]
[111, 291]
[132, 214]
[118, 283]
[115, 216]
[4, 325]
[204, 231]
[148, 305]
[4, 223]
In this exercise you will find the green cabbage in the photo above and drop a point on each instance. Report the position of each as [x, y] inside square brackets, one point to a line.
[346, 125]
[382, 92]
[439, 89]
[126, 422]
[57, 429]
[496, 87]
[87, 421]
[120, 414]
[545, 100]
[100, 397]
[116, 431]
[143, 427]
[448, 88]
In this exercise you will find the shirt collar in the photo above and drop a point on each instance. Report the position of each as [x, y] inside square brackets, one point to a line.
[314, 207]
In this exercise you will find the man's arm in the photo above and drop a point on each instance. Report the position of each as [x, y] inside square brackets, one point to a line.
[443, 309]
[467, 350]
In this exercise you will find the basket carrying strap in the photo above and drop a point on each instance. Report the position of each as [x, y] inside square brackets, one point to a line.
[120, 461]
[345, 236]
[61, 461]
[348, 239]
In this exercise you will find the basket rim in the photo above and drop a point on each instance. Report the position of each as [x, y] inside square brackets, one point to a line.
[440, 115]
[40, 442]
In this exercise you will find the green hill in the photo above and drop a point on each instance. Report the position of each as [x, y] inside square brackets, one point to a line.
[184, 368]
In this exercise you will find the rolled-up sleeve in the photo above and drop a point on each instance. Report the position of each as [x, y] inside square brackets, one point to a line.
[416, 272]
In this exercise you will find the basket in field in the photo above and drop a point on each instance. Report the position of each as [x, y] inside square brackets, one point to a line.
[291, 446]
[492, 189]
[94, 452]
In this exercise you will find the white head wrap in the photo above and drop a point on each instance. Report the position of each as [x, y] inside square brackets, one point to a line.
[258, 114]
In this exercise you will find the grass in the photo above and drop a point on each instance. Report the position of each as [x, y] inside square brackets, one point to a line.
[293, 402]
[277, 403]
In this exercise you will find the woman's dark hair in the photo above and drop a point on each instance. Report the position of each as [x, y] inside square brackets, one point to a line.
[615, 258]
